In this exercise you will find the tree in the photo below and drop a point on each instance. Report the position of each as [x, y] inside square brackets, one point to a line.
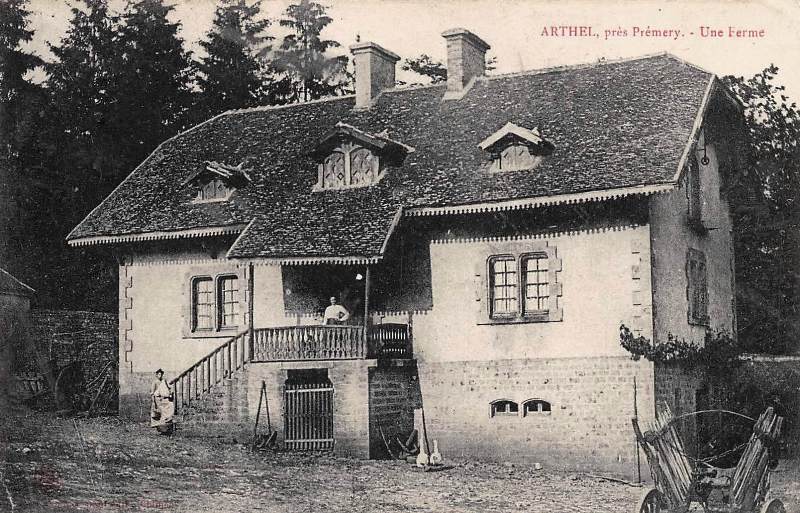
[21, 103]
[309, 73]
[152, 78]
[15, 63]
[81, 83]
[436, 71]
[767, 242]
[231, 75]
[425, 66]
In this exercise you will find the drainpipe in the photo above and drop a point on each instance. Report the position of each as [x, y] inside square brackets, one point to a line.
[250, 308]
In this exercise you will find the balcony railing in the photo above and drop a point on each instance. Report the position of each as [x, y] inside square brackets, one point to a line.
[331, 343]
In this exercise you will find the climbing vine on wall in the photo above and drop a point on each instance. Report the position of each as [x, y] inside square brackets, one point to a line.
[720, 352]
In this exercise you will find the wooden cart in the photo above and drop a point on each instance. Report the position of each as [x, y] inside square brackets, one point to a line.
[680, 487]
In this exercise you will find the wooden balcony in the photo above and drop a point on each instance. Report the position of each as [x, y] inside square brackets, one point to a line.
[292, 343]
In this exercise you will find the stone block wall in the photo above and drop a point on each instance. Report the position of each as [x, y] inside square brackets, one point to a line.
[392, 400]
[73, 336]
[588, 427]
[222, 412]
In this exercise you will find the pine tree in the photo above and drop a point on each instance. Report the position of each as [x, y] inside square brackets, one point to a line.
[231, 75]
[151, 79]
[81, 84]
[20, 105]
[15, 63]
[309, 73]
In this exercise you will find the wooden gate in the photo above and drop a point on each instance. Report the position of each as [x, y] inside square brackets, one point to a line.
[308, 421]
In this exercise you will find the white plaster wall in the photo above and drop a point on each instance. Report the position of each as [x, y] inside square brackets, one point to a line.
[152, 327]
[598, 295]
[671, 238]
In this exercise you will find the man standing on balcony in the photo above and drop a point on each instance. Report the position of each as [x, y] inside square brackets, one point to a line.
[335, 313]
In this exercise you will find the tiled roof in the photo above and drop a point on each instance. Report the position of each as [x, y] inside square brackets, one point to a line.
[613, 125]
[11, 285]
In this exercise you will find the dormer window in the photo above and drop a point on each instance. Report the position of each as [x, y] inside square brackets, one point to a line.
[349, 166]
[214, 190]
[513, 148]
[348, 157]
[217, 182]
[515, 157]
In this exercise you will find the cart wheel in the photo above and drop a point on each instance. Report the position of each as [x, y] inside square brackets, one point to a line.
[773, 506]
[651, 501]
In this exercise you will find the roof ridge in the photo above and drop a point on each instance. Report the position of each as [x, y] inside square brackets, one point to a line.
[589, 65]
[260, 108]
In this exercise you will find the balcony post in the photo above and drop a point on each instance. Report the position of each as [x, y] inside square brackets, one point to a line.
[367, 285]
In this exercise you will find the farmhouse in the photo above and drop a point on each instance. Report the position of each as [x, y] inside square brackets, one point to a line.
[488, 236]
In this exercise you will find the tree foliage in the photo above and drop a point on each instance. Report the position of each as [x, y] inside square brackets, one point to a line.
[309, 71]
[15, 91]
[231, 75]
[767, 239]
[152, 77]
[434, 70]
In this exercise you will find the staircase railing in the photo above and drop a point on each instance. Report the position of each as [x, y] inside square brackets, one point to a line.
[210, 370]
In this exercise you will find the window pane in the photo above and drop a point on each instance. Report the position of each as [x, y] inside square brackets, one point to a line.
[203, 304]
[333, 170]
[537, 287]
[229, 301]
[503, 280]
[361, 167]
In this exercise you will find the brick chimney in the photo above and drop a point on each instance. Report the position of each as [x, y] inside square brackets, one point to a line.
[466, 59]
[374, 66]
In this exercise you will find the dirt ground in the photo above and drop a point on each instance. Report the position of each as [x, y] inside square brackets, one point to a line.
[98, 465]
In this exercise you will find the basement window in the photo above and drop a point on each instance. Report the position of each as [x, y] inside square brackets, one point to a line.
[504, 408]
[536, 407]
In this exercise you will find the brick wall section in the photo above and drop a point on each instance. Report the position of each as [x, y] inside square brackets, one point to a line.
[589, 427]
[676, 386]
[391, 406]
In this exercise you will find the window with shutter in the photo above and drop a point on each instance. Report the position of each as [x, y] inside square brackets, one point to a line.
[697, 287]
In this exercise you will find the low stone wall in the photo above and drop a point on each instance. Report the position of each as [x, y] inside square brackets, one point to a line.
[588, 427]
[73, 336]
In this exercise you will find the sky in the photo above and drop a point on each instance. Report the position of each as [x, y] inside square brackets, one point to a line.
[722, 36]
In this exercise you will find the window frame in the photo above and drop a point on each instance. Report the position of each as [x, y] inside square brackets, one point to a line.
[536, 413]
[492, 260]
[520, 253]
[348, 151]
[194, 304]
[220, 302]
[229, 190]
[498, 166]
[189, 308]
[493, 412]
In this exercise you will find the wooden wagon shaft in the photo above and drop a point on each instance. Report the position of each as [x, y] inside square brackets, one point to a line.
[671, 448]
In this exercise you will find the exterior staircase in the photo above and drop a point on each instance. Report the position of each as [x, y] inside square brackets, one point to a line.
[213, 391]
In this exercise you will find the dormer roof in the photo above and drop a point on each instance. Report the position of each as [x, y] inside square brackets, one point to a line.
[235, 175]
[380, 143]
[510, 132]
